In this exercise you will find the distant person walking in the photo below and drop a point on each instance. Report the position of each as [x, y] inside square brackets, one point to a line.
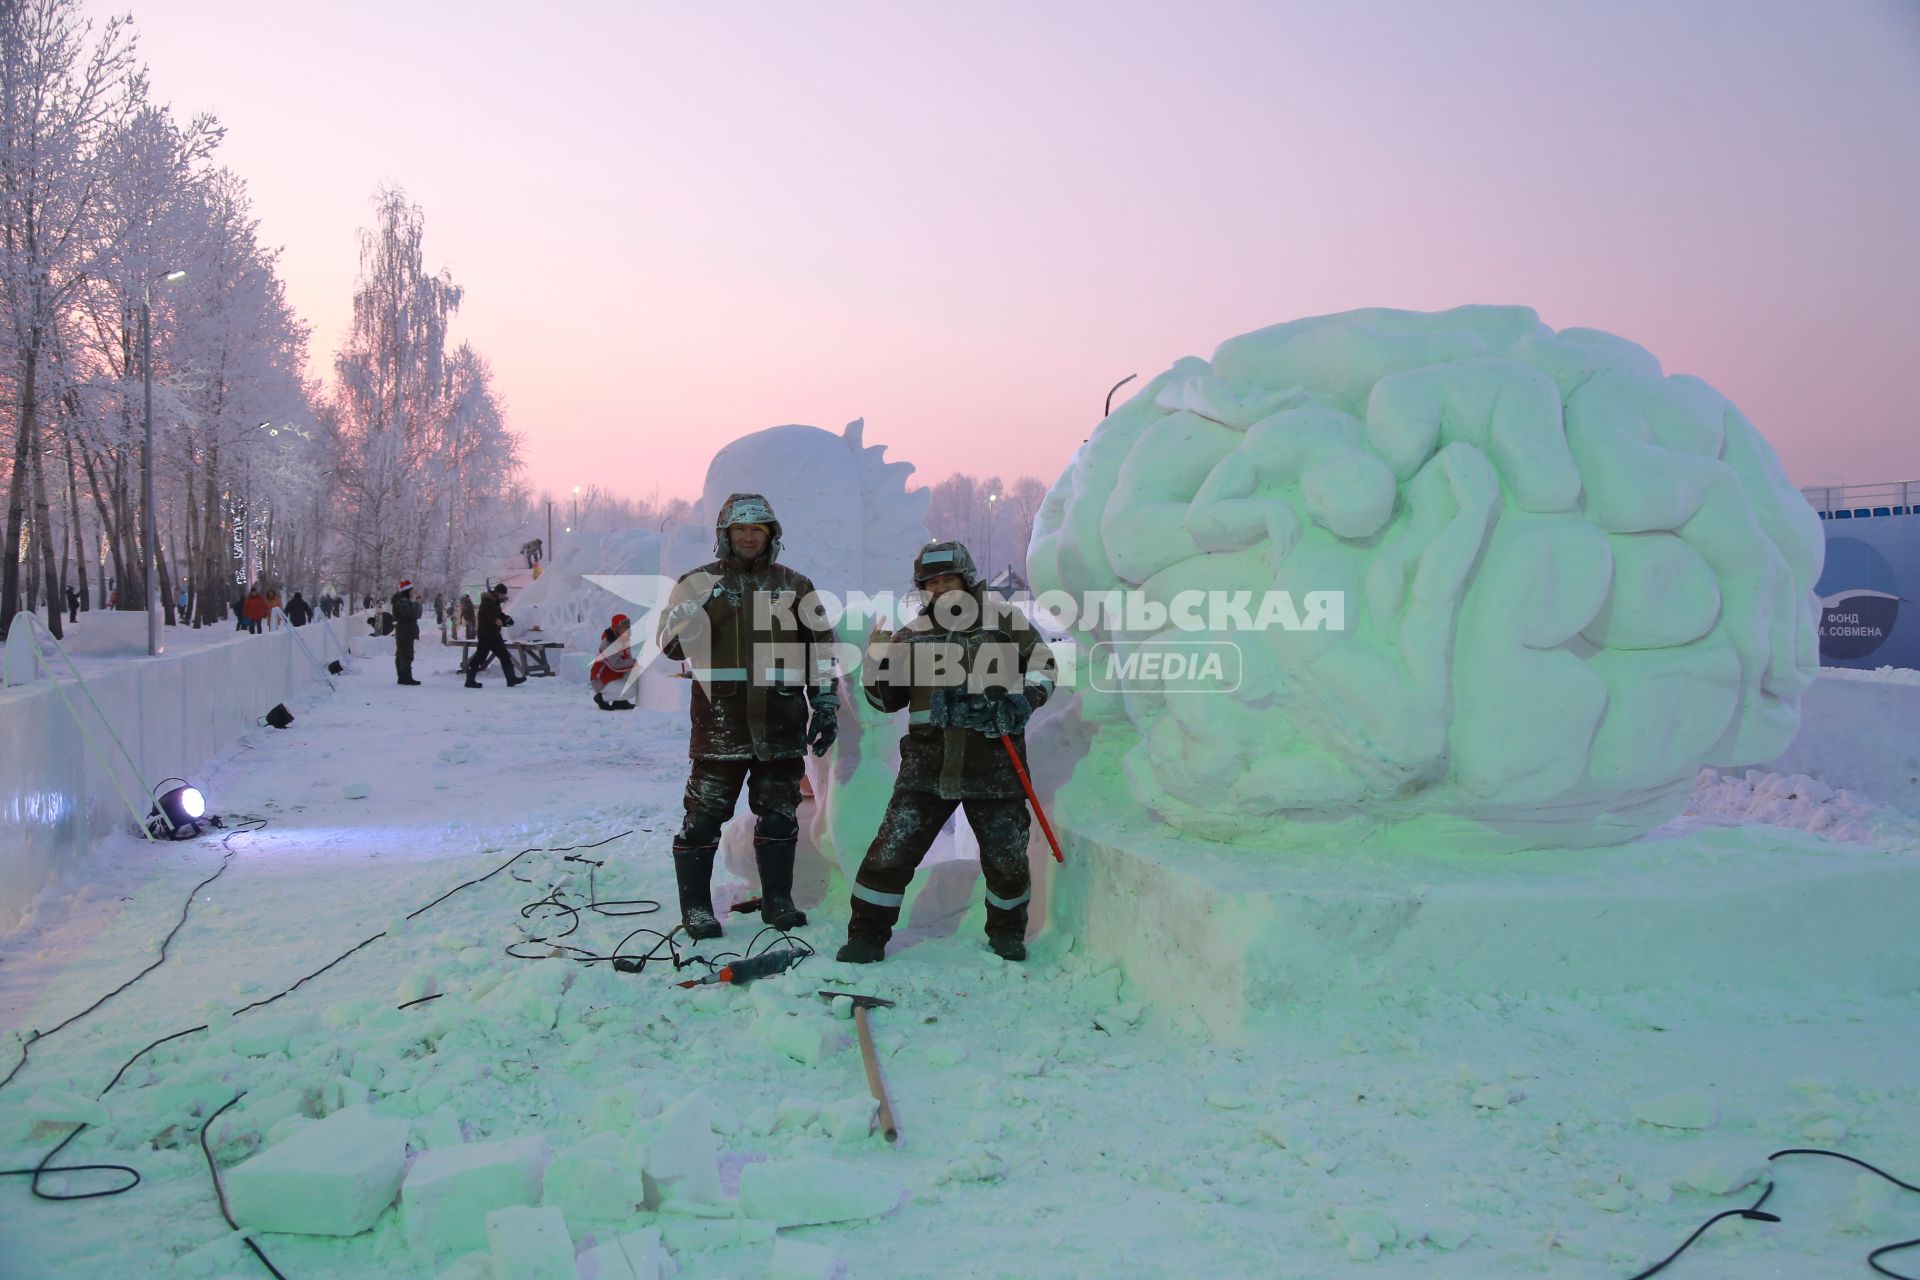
[254, 610]
[299, 612]
[406, 629]
[467, 617]
[493, 619]
[73, 605]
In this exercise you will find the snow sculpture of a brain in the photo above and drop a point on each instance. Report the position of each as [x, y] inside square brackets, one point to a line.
[1569, 581]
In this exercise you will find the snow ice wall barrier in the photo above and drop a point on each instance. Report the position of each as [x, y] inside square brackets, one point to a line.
[1568, 581]
[174, 712]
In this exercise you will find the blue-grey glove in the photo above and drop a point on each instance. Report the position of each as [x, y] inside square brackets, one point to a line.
[1008, 711]
[822, 729]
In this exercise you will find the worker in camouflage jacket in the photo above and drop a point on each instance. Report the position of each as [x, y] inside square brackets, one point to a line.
[763, 694]
[968, 670]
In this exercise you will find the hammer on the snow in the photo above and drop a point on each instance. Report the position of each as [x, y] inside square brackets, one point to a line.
[874, 1082]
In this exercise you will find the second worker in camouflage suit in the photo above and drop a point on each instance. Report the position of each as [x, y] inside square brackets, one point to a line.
[761, 663]
[968, 670]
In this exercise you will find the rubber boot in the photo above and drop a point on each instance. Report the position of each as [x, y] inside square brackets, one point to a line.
[693, 869]
[776, 884]
[861, 951]
[600, 701]
[1007, 931]
[869, 925]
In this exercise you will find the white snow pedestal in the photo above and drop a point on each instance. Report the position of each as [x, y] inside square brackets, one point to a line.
[1218, 933]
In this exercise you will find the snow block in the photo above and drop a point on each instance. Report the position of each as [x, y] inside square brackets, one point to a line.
[807, 1040]
[596, 1179]
[637, 1255]
[798, 1260]
[530, 1244]
[626, 1108]
[849, 1120]
[449, 1192]
[1223, 934]
[469, 1266]
[811, 1190]
[705, 1235]
[331, 1178]
[682, 1160]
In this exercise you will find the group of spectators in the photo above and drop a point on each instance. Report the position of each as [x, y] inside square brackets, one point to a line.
[253, 609]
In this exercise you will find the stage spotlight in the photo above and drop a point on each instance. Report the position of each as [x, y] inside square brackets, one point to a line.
[279, 717]
[178, 812]
[334, 668]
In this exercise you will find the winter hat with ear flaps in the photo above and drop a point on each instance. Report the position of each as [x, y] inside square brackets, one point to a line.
[937, 558]
[745, 508]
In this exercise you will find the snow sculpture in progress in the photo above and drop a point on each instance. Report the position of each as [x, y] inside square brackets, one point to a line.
[1568, 582]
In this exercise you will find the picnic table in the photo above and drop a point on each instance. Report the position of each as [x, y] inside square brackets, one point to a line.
[532, 653]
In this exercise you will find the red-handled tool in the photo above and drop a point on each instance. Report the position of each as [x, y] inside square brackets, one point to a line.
[1006, 741]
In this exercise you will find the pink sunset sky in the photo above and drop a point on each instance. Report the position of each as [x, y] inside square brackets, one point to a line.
[677, 223]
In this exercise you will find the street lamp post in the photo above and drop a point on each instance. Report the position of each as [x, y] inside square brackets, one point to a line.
[151, 530]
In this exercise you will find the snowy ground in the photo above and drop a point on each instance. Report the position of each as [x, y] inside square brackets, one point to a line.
[1049, 1125]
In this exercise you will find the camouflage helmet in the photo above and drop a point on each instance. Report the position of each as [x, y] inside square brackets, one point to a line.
[937, 558]
[745, 508]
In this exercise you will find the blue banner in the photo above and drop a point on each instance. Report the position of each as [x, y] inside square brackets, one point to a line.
[1870, 593]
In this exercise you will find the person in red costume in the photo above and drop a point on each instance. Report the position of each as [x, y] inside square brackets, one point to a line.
[613, 666]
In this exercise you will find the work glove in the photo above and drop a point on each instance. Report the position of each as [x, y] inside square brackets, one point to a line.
[954, 708]
[1007, 712]
[822, 729]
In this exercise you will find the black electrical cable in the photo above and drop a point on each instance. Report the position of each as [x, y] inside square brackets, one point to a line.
[509, 862]
[1752, 1213]
[46, 1166]
[411, 915]
[554, 947]
[27, 1046]
[555, 906]
[220, 1191]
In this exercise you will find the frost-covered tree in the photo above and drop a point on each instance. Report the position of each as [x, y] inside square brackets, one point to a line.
[994, 518]
[65, 87]
[426, 450]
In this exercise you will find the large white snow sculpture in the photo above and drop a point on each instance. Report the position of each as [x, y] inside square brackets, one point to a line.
[1569, 582]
